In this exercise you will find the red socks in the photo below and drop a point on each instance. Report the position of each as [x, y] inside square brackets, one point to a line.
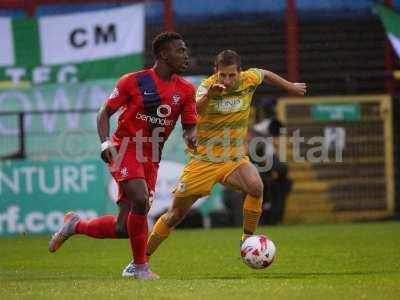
[104, 227]
[138, 230]
[101, 227]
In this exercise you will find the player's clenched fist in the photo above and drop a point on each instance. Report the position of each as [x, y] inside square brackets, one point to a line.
[216, 90]
[298, 88]
[107, 154]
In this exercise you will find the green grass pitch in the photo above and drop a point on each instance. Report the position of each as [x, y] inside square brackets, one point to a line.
[346, 261]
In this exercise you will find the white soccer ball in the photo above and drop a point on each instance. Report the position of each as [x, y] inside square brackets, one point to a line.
[258, 251]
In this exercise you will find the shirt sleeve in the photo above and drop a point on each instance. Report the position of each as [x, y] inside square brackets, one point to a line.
[119, 96]
[203, 88]
[255, 76]
[189, 113]
[201, 91]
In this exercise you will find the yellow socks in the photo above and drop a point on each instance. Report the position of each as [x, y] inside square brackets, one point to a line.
[159, 233]
[251, 215]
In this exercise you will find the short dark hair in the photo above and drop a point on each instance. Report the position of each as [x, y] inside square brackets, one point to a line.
[228, 58]
[162, 40]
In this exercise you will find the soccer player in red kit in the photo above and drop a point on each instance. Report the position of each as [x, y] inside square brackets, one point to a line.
[150, 102]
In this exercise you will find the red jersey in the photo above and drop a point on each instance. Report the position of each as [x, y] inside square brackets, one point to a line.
[151, 104]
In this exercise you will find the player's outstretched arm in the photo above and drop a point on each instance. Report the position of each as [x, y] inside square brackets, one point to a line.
[296, 88]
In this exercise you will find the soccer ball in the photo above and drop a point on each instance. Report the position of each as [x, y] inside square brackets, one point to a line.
[258, 251]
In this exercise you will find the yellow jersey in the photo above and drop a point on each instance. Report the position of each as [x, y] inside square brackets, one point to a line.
[222, 126]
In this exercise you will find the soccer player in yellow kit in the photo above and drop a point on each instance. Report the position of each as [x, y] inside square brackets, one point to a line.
[223, 104]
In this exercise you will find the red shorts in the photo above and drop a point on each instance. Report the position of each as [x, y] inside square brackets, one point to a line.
[130, 167]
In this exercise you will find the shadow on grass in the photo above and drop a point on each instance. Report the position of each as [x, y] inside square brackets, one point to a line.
[52, 277]
[292, 275]
[256, 275]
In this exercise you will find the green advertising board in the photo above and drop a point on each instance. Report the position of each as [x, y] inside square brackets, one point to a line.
[35, 195]
[336, 112]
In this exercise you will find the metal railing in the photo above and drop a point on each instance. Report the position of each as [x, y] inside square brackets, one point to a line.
[43, 134]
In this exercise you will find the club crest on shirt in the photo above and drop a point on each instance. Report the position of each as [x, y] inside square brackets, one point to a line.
[176, 99]
[124, 172]
[181, 187]
[114, 94]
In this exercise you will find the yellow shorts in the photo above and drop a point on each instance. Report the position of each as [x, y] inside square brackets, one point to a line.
[199, 176]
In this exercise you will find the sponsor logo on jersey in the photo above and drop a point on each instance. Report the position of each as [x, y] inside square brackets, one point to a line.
[176, 99]
[229, 105]
[146, 93]
[163, 111]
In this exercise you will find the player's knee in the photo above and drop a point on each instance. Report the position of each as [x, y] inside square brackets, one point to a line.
[172, 219]
[255, 188]
[174, 216]
[140, 203]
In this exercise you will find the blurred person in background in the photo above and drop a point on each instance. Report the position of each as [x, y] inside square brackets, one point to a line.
[277, 184]
[151, 101]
